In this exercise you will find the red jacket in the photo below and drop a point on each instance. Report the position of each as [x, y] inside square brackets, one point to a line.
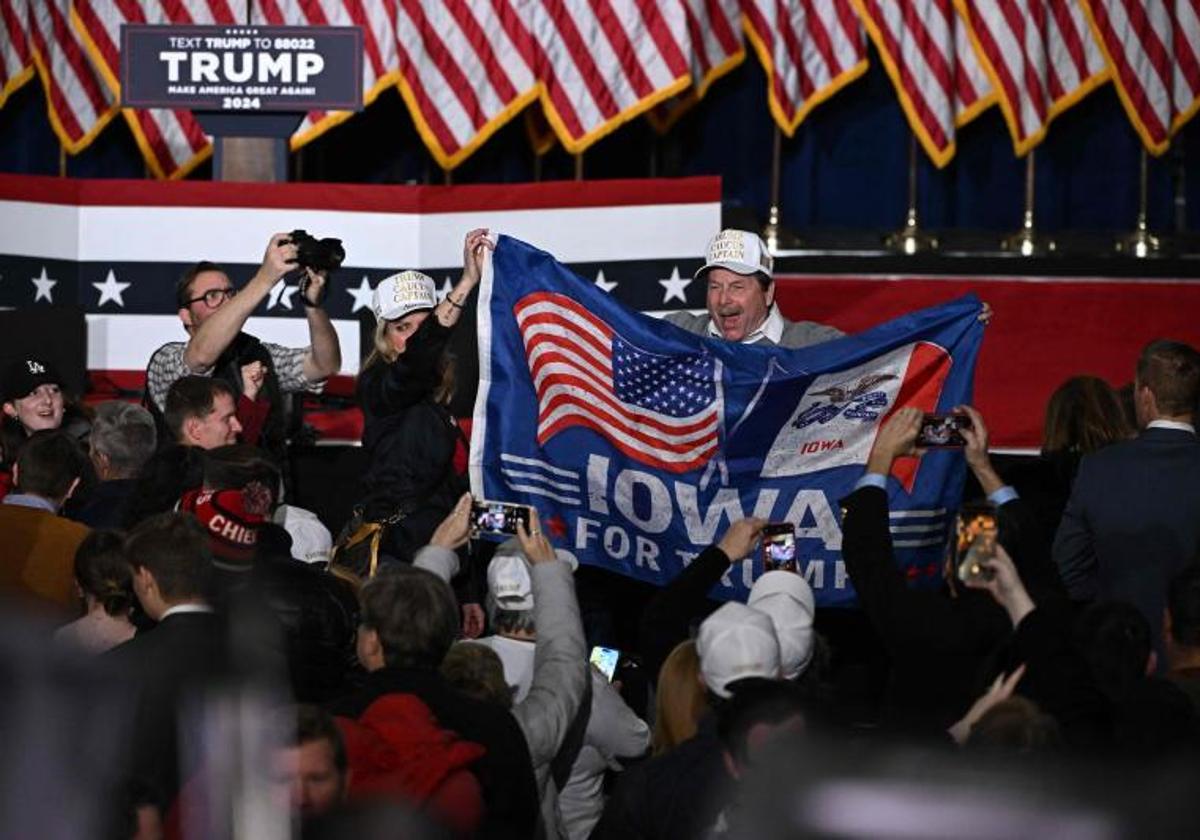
[396, 749]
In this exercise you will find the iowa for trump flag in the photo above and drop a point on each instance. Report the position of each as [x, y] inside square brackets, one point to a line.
[639, 443]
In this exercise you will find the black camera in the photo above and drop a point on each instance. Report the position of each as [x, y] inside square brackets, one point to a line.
[317, 254]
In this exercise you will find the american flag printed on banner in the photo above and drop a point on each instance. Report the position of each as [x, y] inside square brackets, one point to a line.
[810, 50]
[919, 44]
[640, 443]
[16, 61]
[1041, 57]
[77, 101]
[172, 142]
[664, 411]
[601, 63]
[1153, 50]
[377, 20]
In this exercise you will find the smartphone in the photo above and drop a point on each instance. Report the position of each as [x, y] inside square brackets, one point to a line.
[779, 547]
[943, 431]
[975, 543]
[498, 517]
[605, 659]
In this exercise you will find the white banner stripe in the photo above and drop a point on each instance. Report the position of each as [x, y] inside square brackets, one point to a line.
[909, 514]
[538, 491]
[542, 465]
[916, 543]
[373, 239]
[532, 476]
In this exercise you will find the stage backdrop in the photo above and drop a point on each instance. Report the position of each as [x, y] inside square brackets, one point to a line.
[116, 248]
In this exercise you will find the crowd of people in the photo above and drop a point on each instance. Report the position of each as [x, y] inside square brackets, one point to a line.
[407, 663]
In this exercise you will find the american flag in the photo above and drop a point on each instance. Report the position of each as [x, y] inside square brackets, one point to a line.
[78, 103]
[936, 75]
[604, 62]
[378, 21]
[464, 72]
[16, 62]
[664, 411]
[171, 140]
[809, 49]
[1153, 50]
[1042, 57]
[715, 30]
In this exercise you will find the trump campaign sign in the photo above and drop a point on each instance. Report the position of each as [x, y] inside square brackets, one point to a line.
[639, 443]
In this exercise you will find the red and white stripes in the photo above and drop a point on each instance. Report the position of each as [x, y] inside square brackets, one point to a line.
[79, 105]
[16, 60]
[810, 50]
[171, 140]
[1040, 56]
[376, 18]
[464, 72]
[1153, 49]
[918, 43]
[603, 62]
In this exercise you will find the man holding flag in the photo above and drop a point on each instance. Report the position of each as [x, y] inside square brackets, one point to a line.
[639, 443]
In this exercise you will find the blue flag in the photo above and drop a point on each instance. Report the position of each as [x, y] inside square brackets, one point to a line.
[639, 443]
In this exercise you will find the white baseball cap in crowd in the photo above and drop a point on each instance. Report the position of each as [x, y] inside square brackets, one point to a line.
[513, 546]
[734, 643]
[402, 293]
[788, 600]
[311, 540]
[740, 251]
[509, 582]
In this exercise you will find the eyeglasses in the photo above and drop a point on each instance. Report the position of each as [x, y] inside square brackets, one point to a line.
[213, 297]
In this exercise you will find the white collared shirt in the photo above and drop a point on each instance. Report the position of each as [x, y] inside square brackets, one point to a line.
[180, 609]
[1171, 424]
[771, 328]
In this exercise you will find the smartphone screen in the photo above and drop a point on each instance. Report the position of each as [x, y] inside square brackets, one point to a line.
[943, 431]
[779, 547]
[975, 542]
[498, 517]
[606, 660]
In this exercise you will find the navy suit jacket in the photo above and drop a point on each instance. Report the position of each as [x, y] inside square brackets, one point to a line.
[1133, 521]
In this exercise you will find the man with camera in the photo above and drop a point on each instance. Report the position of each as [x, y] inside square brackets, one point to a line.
[213, 312]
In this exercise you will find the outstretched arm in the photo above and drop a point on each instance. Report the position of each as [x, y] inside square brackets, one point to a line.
[211, 338]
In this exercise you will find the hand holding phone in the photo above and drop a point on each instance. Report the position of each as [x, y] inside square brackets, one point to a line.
[605, 659]
[943, 431]
[497, 517]
[779, 547]
[975, 544]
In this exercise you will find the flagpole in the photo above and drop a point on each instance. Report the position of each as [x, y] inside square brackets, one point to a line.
[1141, 243]
[579, 166]
[1026, 241]
[911, 239]
[1179, 178]
[776, 235]
[62, 160]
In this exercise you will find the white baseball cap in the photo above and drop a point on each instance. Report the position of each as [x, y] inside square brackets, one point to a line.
[740, 251]
[788, 601]
[509, 582]
[734, 643]
[402, 293]
[311, 540]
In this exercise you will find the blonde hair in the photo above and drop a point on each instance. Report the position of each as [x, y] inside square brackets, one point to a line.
[681, 700]
[383, 352]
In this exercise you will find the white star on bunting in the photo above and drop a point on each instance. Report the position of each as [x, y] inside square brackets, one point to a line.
[675, 286]
[43, 284]
[281, 295]
[362, 295]
[111, 291]
[447, 287]
[605, 285]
